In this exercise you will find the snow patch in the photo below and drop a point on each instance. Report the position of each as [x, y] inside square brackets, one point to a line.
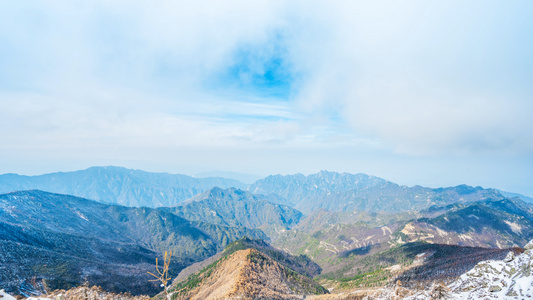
[507, 279]
[465, 237]
[385, 229]
[394, 268]
[514, 227]
[6, 296]
[369, 237]
[82, 216]
[441, 232]
[408, 229]
[511, 278]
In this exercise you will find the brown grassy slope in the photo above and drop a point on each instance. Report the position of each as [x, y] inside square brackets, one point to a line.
[249, 274]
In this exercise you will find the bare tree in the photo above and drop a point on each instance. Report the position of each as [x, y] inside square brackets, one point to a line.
[163, 276]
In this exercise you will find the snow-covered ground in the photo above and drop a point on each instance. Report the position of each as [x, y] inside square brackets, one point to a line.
[511, 278]
[5, 296]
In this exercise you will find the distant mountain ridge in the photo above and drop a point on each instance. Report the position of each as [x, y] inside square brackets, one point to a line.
[328, 190]
[514, 195]
[117, 185]
[345, 192]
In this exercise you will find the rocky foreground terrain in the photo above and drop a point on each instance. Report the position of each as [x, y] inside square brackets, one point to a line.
[510, 278]
[250, 274]
[79, 293]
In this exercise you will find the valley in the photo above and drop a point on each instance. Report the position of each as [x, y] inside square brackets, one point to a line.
[282, 237]
[266, 150]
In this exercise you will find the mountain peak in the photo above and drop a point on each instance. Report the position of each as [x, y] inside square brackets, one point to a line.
[349, 192]
[217, 193]
[119, 185]
[246, 274]
[235, 207]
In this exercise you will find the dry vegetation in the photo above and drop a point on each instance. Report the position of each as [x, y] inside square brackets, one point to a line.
[90, 293]
[247, 274]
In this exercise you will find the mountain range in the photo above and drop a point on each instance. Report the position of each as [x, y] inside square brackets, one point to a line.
[348, 192]
[116, 185]
[106, 226]
[328, 190]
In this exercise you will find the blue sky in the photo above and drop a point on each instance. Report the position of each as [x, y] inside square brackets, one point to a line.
[435, 93]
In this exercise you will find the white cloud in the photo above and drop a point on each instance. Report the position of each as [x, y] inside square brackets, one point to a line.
[419, 78]
[105, 62]
[413, 76]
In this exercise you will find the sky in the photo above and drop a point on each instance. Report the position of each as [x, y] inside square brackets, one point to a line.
[435, 93]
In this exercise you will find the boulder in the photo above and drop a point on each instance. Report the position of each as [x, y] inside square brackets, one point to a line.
[510, 257]
[495, 288]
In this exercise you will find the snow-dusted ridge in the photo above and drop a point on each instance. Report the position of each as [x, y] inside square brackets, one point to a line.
[510, 278]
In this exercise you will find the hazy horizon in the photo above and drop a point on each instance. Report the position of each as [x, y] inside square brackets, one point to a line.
[428, 93]
[251, 178]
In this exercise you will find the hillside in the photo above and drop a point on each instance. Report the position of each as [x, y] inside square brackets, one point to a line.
[411, 265]
[497, 224]
[32, 261]
[301, 263]
[348, 192]
[246, 274]
[233, 207]
[335, 239]
[116, 185]
[507, 277]
[67, 240]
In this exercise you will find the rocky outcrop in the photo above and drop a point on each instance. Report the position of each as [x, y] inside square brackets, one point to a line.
[510, 278]
[497, 279]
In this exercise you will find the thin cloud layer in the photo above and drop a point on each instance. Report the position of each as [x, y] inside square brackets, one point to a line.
[419, 79]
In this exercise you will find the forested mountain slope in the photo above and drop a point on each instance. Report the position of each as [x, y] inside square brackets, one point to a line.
[233, 207]
[66, 239]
